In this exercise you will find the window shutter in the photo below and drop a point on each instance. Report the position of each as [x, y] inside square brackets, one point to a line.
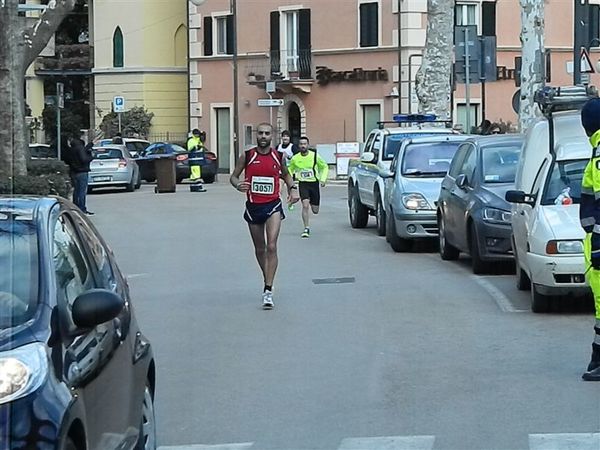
[275, 48]
[229, 32]
[304, 43]
[208, 45]
[488, 15]
[369, 25]
[594, 26]
[363, 25]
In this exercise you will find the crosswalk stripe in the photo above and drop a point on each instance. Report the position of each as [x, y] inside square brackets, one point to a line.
[242, 446]
[565, 441]
[389, 443]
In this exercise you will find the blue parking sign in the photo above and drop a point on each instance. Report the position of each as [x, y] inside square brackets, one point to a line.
[119, 104]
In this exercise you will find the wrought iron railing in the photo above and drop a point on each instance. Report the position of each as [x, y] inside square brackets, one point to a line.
[284, 64]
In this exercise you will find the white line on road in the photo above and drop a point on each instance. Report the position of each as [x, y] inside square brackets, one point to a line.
[564, 441]
[137, 275]
[243, 446]
[501, 300]
[389, 443]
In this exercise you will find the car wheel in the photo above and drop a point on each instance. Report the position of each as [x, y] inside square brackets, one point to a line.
[139, 182]
[209, 179]
[131, 186]
[359, 214]
[388, 223]
[147, 436]
[479, 265]
[539, 303]
[447, 251]
[397, 243]
[379, 215]
[150, 179]
[523, 281]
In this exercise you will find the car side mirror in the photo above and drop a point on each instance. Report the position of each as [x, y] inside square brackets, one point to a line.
[462, 181]
[519, 197]
[95, 307]
[387, 174]
[368, 157]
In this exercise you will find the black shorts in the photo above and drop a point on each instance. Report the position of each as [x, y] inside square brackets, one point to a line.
[309, 190]
[259, 213]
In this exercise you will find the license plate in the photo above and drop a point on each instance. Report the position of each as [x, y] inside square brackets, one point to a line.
[100, 179]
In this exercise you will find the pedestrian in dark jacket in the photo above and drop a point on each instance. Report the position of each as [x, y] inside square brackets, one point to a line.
[78, 158]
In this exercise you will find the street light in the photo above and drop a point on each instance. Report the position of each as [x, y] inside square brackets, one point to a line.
[236, 144]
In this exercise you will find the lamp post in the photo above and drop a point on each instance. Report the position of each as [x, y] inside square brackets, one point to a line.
[236, 144]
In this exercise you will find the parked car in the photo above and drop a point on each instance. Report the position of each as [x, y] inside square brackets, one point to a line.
[42, 151]
[413, 187]
[113, 167]
[135, 146]
[547, 237]
[473, 215]
[76, 372]
[163, 149]
[366, 186]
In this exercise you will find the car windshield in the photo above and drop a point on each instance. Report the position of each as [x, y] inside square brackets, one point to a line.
[428, 160]
[178, 148]
[393, 141]
[565, 177]
[500, 163]
[20, 270]
[109, 153]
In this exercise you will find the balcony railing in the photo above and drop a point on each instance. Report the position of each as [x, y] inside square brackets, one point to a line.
[281, 65]
[68, 58]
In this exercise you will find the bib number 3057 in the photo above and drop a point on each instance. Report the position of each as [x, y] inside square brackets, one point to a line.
[263, 185]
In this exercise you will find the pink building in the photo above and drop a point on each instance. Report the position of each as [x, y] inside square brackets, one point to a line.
[335, 65]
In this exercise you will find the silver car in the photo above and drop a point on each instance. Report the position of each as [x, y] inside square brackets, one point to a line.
[113, 166]
[413, 187]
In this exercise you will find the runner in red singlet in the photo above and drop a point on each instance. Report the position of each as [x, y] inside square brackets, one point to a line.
[263, 168]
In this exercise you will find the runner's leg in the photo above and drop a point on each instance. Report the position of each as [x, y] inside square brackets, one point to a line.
[257, 231]
[305, 212]
[273, 226]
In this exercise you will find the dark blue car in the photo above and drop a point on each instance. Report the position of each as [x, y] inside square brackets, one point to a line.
[75, 371]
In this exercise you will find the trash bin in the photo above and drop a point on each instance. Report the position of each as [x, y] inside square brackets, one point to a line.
[166, 179]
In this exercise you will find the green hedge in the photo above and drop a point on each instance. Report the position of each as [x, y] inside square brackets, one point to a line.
[44, 177]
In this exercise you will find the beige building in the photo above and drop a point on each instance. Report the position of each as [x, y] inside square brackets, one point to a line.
[336, 68]
[140, 53]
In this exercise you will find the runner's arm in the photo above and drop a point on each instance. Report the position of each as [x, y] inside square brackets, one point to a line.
[234, 179]
[323, 169]
[292, 189]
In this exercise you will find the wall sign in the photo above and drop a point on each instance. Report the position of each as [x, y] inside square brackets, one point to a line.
[325, 75]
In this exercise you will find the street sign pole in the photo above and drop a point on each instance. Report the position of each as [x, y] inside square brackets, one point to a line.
[60, 103]
[270, 110]
[467, 83]
[119, 114]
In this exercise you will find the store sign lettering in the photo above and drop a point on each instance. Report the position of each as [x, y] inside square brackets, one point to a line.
[325, 75]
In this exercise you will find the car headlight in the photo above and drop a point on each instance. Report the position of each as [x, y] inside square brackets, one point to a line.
[415, 202]
[494, 215]
[22, 371]
[574, 247]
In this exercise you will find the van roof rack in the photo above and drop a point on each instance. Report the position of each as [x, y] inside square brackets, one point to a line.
[400, 119]
[564, 98]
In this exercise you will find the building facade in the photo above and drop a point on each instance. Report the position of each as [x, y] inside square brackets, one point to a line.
[340, 66]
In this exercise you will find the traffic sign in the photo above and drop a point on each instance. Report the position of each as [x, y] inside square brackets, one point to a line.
[60, 94]
[119, 104]
[270, 102]
[586, 62]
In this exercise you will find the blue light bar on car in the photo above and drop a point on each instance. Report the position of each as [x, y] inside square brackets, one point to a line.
[414, 118]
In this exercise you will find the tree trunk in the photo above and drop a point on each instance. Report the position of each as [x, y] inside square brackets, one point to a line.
[19, 46]
[432, 82]
[532, 47]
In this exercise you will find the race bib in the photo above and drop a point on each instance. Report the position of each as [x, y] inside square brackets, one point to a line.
[307, 174]
[263, 185]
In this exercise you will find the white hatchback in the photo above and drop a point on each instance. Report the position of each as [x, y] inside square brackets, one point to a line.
[547, 238]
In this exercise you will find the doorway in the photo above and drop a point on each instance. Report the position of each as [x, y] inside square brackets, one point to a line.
[223, 125]
[294, 122]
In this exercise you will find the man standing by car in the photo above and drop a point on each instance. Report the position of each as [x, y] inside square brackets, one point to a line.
[263, 167]
[78, 158]
[310, 170]
[589, 213]
[194, 145]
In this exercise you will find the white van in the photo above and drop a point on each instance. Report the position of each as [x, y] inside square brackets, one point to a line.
[547, 238]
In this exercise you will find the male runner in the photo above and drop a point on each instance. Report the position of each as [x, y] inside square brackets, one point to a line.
[310, 170]
[262, 167]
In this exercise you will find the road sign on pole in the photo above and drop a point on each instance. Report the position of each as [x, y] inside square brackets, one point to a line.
[270, 102]
[119, 104]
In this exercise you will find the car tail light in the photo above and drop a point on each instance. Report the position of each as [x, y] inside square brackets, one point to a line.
[122, 163]
[211, 156]
[182, 157]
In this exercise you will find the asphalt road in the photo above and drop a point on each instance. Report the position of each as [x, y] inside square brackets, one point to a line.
[407, 352]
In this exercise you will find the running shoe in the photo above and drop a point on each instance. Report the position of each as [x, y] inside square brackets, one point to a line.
[306, 233]
[267, 300]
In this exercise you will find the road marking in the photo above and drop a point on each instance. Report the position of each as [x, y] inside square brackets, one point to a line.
[389, 443]
[243, 446]
[564, 441]
[137, 275]
[501, 300]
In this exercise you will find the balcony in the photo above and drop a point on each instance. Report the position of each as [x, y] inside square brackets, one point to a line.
[291, 70]
[76, 59]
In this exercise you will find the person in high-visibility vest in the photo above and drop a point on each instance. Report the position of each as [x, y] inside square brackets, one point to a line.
[195, 144]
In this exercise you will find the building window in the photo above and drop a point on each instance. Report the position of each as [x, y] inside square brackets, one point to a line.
[466, 14]
[118, 48]
[461, 116]
[291, 43]
[218, 35]
[369, 24]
